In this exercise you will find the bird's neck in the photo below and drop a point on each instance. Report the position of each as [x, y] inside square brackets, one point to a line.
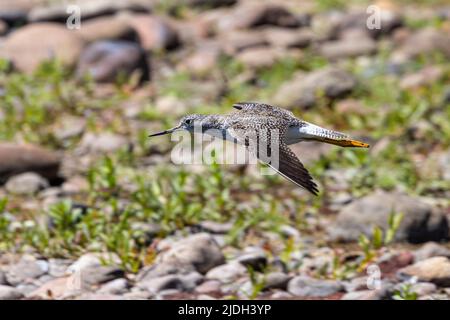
[213, 121]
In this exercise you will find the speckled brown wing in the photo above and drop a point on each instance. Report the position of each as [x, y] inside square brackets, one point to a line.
[260, 136]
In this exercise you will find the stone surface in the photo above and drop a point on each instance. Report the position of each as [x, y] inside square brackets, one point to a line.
[16, 159]
[26, 269]
[303, 286]
[52, 289]
[154, 32]
[27, 183]
[105, 61]
[429, 250]
[435, 270]
[348, 48]
[228, 272]
[102, 143]
[198, 252]
[100, 274]
[33, 44]
[420, 222]
[117, 286]
[185, 282]
[276, 280]
[287, 38]
[108, 28]
[303, 90]
[9, 293]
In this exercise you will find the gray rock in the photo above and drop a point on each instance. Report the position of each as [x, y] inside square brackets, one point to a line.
[288, 38]
[57, 11]
[420, 223]
[429, 250]
[435, 270]
[185, 282]
[117, 286]
[26, 269]
[100, 274]
[3, 278]
[389, 21]
[208, 286]
[198, 252]
[102, 143]
[33, 44]
[155, 33]
[149, 231]
[15, 159]
[9, 293]
[303, 286]
[240, 40]
[105, 60]
[256, 260]
[423, 42]
[304, 90]
[27, 183]
[216, 227]
[276, 280]
[380, 294]
[259, 57]
[108, 28]
[251, 15]
[228, 272]
[350, 48]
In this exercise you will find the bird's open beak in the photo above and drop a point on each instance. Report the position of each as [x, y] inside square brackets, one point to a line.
[165, 132]
[313, 132]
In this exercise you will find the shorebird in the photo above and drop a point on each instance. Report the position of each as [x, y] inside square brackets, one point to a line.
[260, 126]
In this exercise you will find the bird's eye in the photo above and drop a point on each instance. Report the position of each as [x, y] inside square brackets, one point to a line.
[188, 121]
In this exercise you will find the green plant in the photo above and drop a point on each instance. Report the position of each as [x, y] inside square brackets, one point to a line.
[405, 293]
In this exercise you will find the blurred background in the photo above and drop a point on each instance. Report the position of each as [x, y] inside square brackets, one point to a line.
[84, 191]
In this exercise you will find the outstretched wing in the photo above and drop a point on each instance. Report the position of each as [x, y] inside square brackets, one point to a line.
[265, 140]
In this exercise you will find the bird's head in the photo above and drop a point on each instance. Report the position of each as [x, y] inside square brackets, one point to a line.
[187, 123]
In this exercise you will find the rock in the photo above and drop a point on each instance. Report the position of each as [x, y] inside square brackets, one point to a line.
[420, 222]
[255, 259]
[3, 278]
[389, 21]
[69, 127]
[426, 76]
[304, 90]
[287, 38]
[171, 105]
[58, 267]
[350, 48]
[117, 286]
[102, 142]
[155, 33]
[435, 270]
[100, 274]
[179, 282]
[108, 28]
[380, 294]
[227, 273]
[14, 12]
[209, 286]
[27, 183]
[237, 41]
[423, 42]
[251, 15]
[91, 260]
[149, 230]
[16, 159]
[57, 11]
[276, 280]
[259, 57]
[303, 286]
[198, 252]
[9, 293]
[202, 60]
[105, 60]
[26, 269]
[429, 250]
[29, 46]
[216, 227]
[423, 288]
[53, 289]
[203, 3]
[3, 27]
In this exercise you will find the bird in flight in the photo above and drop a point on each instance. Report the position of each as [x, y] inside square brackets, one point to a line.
[267, 131]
